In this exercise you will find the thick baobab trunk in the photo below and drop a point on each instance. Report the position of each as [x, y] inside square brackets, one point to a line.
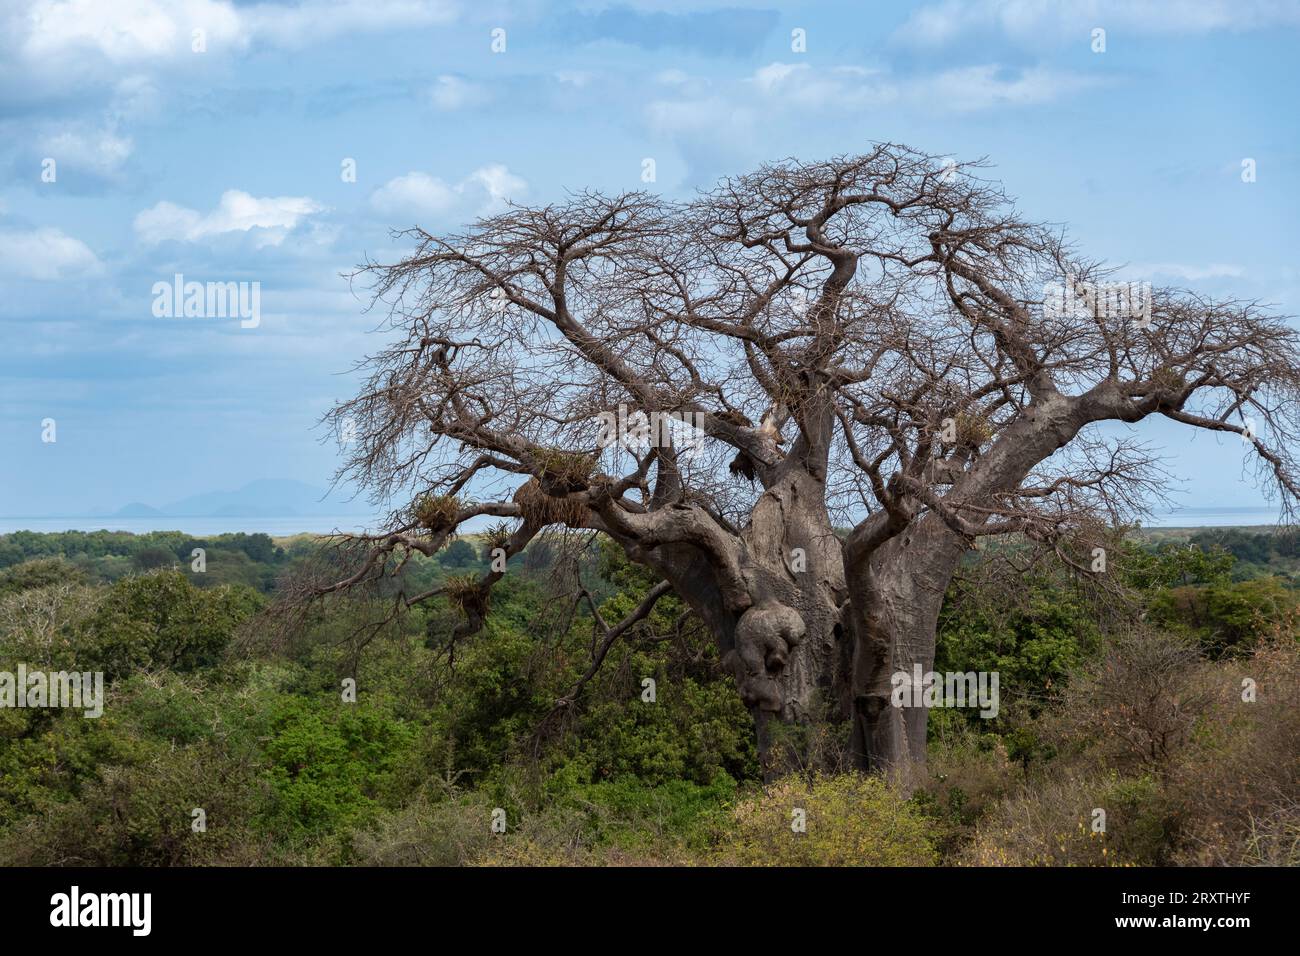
[781, 644]
[797, 571]
[898, 592]
[808, 643]
[897, 597]
[782, 648]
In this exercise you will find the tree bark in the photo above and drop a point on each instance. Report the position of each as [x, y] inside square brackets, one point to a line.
[780, 639]
[897, 597]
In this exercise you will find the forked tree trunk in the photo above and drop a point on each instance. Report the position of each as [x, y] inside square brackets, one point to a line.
[857, 633]
[814, 643]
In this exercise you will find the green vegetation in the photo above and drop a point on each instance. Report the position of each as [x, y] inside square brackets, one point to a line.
[1129, 701]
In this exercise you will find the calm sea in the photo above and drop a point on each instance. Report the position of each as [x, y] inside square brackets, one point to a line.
[277, 527]
[1213, 517]
[199, 527]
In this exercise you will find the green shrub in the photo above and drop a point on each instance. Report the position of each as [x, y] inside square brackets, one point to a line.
[332, 763]
[1050, 822]
[161, 620]
[851, 820]
[40, 573]
[141, 814]
[1033, 645]
[694, 731]
[449, 832]
[634, 814]
[1231, 618]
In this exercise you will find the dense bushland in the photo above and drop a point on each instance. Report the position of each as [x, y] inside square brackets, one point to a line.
[1127, 700]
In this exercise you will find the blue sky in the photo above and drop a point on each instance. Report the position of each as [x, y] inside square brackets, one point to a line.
[225, 165]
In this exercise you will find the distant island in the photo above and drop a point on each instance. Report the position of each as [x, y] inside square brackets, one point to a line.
[265, 498]
[272, 505]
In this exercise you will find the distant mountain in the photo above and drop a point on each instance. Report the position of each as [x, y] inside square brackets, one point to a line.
[136, 510]
[266, 498]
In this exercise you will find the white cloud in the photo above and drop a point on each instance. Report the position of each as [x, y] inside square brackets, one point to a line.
[127, 31]
[771, 76]
[100, 151]
[579, 79]
[982, 87]
[94, 145]
[1032, 21]
[715, 123]
[454, 93]
[419, 194]
[135, 97]
[714, 116]
[46, 253]
[237, 211]
[803, 87]
[119, 53]
[499, 183]
[672, 77]
[308, 21]
[807, 89]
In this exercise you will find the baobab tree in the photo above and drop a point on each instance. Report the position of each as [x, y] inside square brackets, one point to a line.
[880, 368]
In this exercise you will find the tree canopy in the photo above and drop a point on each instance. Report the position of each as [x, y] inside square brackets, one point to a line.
[879, 343]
